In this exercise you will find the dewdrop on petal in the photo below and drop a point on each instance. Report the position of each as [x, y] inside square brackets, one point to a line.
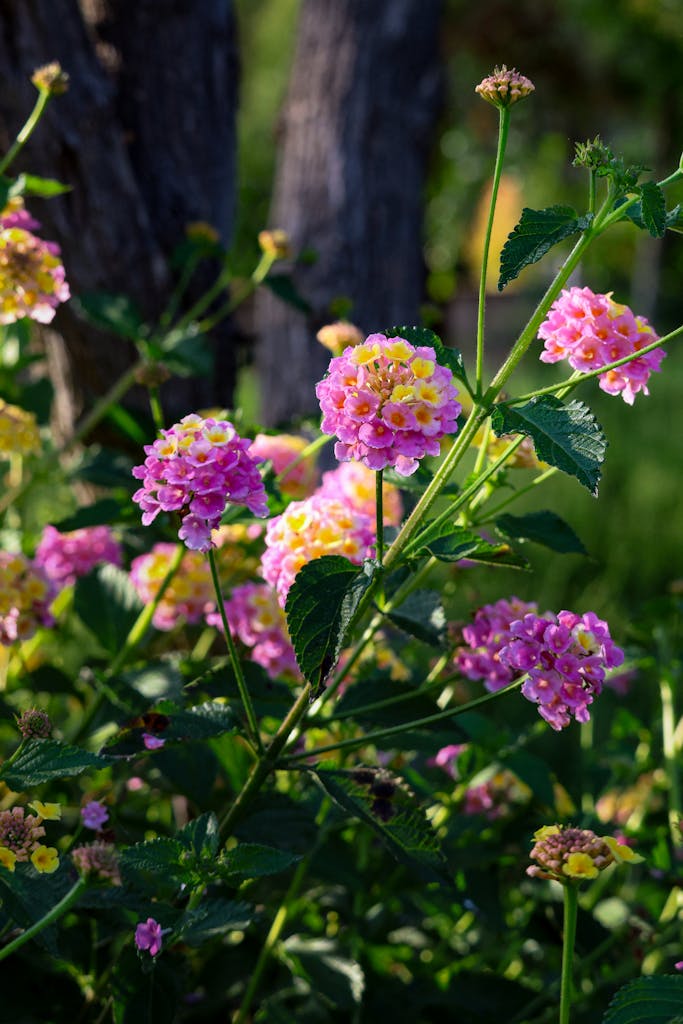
[503, 87]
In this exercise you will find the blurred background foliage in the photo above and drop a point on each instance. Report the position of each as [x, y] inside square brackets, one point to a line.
[601, 67]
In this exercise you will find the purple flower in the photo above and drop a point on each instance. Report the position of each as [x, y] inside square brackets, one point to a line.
[152, 742]
[94, 815]
[148, 935]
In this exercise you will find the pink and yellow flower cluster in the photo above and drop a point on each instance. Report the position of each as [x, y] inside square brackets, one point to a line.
[256, 618]
[196, 468]
[283, 450]
[65, 557]
[26, 594]
[32, 279]
[188, 596]
[590, 331]
[485, 638]
[354, 483]
[575, 854]
[388, 403]
[21, 835]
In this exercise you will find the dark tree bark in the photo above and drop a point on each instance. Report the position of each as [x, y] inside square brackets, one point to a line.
[356, 128]
[145, 137]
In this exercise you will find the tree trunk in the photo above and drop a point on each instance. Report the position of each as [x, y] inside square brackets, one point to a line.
[145, 137]
[356, 128]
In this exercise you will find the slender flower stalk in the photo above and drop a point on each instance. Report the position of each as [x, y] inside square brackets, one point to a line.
[52, 915]
[234, 659]
[379, 516]
[671, 759]
[568, 940]
[44, 96]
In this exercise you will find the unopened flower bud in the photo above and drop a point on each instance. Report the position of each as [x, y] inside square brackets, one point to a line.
[152, 375]
[503, 87]
[337, 336]
[51, 78]
[200, 231]
[275, 243]
[34, 725]
[592, 154]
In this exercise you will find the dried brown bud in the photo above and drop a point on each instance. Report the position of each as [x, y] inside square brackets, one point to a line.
[51, 78]
[503, 87]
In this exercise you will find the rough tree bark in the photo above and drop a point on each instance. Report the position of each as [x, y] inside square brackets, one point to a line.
[146, 138]
[356, 127]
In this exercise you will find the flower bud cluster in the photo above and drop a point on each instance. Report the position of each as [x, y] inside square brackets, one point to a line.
[503, 87]
[65, 557]
[388, 403]
[25, 598]
[196, 468]
[98, 861]
[590, 331]
[485, 638]
[18, 431]
[256, 618]
[34, 724]
[20, 839]
[309, 529]
[572, 854]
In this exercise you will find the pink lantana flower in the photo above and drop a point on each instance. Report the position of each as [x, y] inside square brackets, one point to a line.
[283, 450]
[388, 403]
[196, 468]
[590, 330]
[149, 936]
[256, 618]
[67, 556]
[354, 483]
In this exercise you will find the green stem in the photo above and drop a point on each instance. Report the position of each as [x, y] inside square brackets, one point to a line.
[570, 911]
[379, 515]
[60, 908]
[492, 513]
[8, 762]
[234, 659]
[24, 135]
[592, 181]
[266, 764]
[396, 730]
[103, 404]
[178, 292]
[675, 813]
[155, 406]
[503, 127]
[376, 705]
[258, 276]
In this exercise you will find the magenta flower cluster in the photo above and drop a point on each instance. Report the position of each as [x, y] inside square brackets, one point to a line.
[388, 403]
[256, 618]
[196, 468]
[65, 557]
[590, 331]
[486, 637]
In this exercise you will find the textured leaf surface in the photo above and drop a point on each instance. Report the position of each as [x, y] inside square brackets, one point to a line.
[115, 313]
[536, 233]
[460, 543]
[422, 615]
[566, 436]
[108, 604]
[212, 919]
[654, 1000]
[543, 527]
[252, 860]
[42, 760]
[653, 208]
[320, 605]
[386, 804]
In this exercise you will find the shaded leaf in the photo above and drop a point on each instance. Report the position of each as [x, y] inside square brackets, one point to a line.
[201, 835]
[211, 919]
[27, 895]
[536, 233]
[158, 866]
[422, 615]
[252, 860]
[32, 185]
[460, 543]
[115, 313]
[187, 352]
[566, 436]
[283, 286]
[651, 1000]
[533, 771]
[103, 512]
[144, 990]
[545, 528]
[108, 604]
[386, 804]
[653, 208]
[42, 760]
[340, 980]
[320, 606]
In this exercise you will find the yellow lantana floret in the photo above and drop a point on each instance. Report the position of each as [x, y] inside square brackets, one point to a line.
[48, 812]
[580, 865]
[622, 853]
[45, 859]
[545, 831]
[7, 858]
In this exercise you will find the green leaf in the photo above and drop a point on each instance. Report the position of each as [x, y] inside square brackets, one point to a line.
[338, 979]
[42, 760]
[536, 233]
[108, 604]
[252, 860]
[545, 528]
[283, 286]
[386, 804]
[159, 866]
[187, 352]
[211, 919]
[653, 1000]
[26, 896]
[422, 616]
[319, 609]
[155, 681]
[451, 358]
[31, 185]
[566, 436]
[653, 208]
[115, 313]
[142, 990]
[460, 543]
[201, 835]
[201, 722]
[100, 513]
[6, 185]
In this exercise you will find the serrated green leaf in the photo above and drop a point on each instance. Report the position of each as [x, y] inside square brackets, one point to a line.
[536, 233]
[566, 436]
[652, 1000]
[108, 604]
[460, 544]
[158, 866]
[653, 208]
[103, 512]
[201, 722]
[115, 313]
[422, 615]
[451, 358]
[283, 286]
[543, 527]
[42, 760]
[211, 919]
[32, 185]
[385, 803]
[319, 609]
[253, 860]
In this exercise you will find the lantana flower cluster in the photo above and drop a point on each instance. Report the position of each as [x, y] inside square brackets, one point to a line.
[574, 854]
[354, 483]
[18, 431]
[591, 330]
[190, 593]
[388, 403]
[196, 468]
[26, 594]
[485, 637]
[256, 618]
[65, 557]
[21, 837]
[309, 529]
[504, 87]
[98, 861]
[283, 450]
[32, 278]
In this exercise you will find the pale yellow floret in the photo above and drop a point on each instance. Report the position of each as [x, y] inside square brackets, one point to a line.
[422, 367]
[622, 854]
[8, 858]
[45, 859]
[426, 392]
[580, 865]
[545, 831]
[402, 393]
[364, 354]
[398, 350]
[48, 812]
